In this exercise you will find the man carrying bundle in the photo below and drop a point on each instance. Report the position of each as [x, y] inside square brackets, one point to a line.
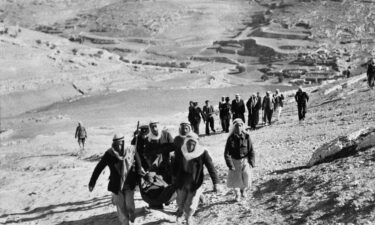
[156, 185]
[122, 178]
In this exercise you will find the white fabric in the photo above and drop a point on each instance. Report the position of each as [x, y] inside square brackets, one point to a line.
[188, 201]
[241, 176]
[278, 110]
[127, 162]
[198, 151]
[153, 137]
[124, 202]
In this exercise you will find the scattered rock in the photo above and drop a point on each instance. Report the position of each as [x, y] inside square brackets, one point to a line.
[344, 146]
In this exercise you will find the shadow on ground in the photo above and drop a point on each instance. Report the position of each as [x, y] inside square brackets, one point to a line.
[45, 211]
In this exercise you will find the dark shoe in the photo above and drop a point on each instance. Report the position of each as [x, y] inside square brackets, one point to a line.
[131, 217]
[179, 213]
[156, 206]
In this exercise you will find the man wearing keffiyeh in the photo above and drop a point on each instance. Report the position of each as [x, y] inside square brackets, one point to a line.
[122, 179]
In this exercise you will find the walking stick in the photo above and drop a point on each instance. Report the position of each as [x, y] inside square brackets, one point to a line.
[136, 136]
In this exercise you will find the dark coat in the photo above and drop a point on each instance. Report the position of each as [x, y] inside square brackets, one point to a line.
[238, 147]
[371, 70]
[279, 100]
[221, 108]
[196, 175]
[81, 132]
[259, 103]
[191, 115]
[268, 103]
[110, 160]
[301, 98]
[251, 105]
[141, 153]
[208, 111]
[225, 110]
[195, 115]
[238, 107]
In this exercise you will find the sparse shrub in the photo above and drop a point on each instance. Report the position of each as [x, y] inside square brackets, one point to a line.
[74, 50]
[281, 78]
[38, 42]
[265, 78]
[183, 65]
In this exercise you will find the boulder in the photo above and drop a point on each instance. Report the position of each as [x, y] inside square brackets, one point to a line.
[356, 79]
[344, 146]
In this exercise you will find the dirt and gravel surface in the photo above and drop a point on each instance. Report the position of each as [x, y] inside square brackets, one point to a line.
[48, 182]
[48, 83]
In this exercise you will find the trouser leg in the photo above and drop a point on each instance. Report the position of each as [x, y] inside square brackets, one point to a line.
[181, 199]
[119, 201]
[207, 126]
[303, 112]
[212, 124]
[191, 204]
[371, 81]
[269, 116]
[249, 120]
[279, 109]
[300, 112]
[256, 117]
[195, 127]
[130, 206]
[264, 116]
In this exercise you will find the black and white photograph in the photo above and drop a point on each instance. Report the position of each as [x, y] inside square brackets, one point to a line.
[187, 112]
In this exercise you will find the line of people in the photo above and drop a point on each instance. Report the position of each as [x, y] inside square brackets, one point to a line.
[271, 103]
[168, 169]
[236, 109]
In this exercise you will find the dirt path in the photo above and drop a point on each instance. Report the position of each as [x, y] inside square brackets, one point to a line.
[49, 178]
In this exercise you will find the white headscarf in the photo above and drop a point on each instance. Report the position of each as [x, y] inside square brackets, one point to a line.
[152, 136]
[236, 121]
[185, 124]
[198, 151]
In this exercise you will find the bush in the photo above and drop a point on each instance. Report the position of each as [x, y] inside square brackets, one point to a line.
[281, 78]
[265, 77]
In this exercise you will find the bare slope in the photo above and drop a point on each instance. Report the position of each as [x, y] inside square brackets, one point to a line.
[50, 178]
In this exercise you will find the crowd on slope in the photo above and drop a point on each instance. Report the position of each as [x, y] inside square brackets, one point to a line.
[167, 169]
[255, 105]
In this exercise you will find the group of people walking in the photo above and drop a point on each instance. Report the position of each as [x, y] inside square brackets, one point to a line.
[231, 110]
[168, 169]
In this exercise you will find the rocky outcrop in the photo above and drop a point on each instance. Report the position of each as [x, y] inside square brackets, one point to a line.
[344, 146]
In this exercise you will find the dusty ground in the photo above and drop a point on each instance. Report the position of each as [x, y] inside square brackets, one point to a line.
[49, 175]
[48, 84]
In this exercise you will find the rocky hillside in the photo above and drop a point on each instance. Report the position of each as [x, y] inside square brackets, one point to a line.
[285, 190]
